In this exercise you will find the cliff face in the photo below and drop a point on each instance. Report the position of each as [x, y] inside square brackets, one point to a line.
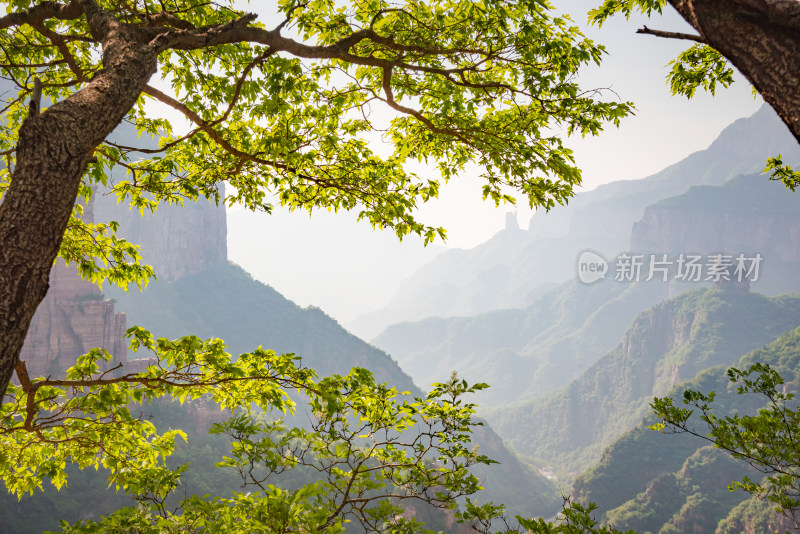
[72, 319]
[176, 240]
[667, 229]
[746, 214]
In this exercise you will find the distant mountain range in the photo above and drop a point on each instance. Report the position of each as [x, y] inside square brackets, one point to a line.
[531, 351]
[566, 388]
[515, 267]
[523, 353]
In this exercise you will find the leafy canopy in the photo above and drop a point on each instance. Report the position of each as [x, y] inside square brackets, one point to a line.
[325, 110]
[370, 447]
[289, 116]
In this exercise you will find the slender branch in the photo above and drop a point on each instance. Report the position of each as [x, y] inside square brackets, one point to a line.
[30, 392]
[35, 105]
[672, 35]
[61, 44]
[387, 89]
[238, 88]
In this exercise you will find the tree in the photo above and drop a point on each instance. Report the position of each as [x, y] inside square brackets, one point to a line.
[759, 38]
[281, 119]
[369, 448]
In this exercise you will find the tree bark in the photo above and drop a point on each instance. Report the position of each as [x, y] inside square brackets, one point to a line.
[761, 38]
[52, 154]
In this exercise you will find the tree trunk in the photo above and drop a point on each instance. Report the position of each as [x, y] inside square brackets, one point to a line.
[52, 154]
[762, 39]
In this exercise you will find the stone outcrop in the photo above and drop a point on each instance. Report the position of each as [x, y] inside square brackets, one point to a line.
[72, 319]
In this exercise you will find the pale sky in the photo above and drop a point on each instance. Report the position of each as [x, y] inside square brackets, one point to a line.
[346, 268]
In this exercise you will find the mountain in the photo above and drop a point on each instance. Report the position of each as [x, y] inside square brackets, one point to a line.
[227, 303]
[510, 270]
[199, 292]
[531, 351]
[669, 343]
[73, 318]
[523, 353]
[676, 483]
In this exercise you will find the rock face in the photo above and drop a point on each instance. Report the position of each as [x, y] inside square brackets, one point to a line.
[72, 319]
[176, 240]
[664, 229]
[747, 215]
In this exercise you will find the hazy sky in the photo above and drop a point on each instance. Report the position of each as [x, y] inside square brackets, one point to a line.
[346, 268]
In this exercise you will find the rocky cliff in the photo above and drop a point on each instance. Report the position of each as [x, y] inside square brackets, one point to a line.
[747, 214]
[72, 319]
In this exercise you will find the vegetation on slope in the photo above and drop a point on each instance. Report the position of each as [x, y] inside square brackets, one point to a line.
[665, 345]
[228, 303]
[628, 482]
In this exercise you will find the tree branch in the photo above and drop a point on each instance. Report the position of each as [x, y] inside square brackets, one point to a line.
[206, 127]
[672, 35]
[61, 44]
[43, 11]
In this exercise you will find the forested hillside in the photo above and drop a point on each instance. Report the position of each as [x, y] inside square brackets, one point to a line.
[676, 483]
[523, 353]
[667, 344]
[227, 303]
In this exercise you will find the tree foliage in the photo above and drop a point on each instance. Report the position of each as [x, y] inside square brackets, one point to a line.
[291, 115]
[699, 66]
[372, 448]
[767, 441]
[293, 122]
[324, 110]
